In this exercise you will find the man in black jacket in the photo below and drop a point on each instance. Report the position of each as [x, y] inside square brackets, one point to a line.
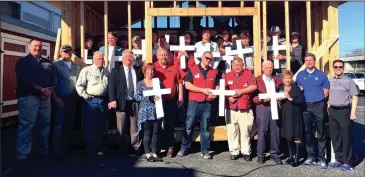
[35, 82]
[122, 87]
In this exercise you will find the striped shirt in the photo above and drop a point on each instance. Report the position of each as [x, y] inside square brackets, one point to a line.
[92, 82]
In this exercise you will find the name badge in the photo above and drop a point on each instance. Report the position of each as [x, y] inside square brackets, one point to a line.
[196, 75]
[211, 78]
[245, 84]
[169, 71]
[316, 78]
[230, 82]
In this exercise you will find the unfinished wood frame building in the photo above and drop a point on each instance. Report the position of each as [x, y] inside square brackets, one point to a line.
[316, 22]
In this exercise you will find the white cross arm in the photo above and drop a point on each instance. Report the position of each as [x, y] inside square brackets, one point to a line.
[273, 103]
[157, 91]
[263, 96]
[222, 93]
[87, 60]
[182, 47]
[228, 58]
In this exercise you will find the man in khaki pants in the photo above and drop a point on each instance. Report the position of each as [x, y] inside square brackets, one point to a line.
[239, 115]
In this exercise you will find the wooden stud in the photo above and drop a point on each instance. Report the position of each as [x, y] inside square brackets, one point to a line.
[257, 39]
[175, 5]
[324, 33]
[242, 4]
[287, 35]
[82, 32]
[316, 27]
[106, 45]
[333, 20]
[264, 29]
[151, 4]
[58, 45]
[129, 26]
[148, 33]
[213, 11]
[309, 26]
[197, 4]
[64, 24]
[219, 3]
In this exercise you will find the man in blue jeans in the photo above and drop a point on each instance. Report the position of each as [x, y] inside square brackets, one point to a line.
[66, 72]
[92, 85]
[35, 82]
[199, 80]
[315, 85]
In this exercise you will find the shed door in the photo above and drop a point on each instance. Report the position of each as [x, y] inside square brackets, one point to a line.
[13, 47]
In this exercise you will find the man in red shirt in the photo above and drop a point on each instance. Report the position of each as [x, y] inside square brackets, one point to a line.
[239, 115]
[170, 78]
[199, 80]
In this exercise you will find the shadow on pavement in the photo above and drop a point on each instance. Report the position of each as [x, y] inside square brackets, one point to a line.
[358, 143]
[112, 164]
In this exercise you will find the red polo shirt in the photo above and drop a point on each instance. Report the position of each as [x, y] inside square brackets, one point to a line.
[170, 78]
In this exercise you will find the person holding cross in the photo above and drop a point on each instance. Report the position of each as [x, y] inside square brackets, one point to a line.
[205, 44]
[247, 57]
[114, 50]
[275, 32]
[170, 78]
[199, 80]
[267, 83]
[239, 115]
[152, 125]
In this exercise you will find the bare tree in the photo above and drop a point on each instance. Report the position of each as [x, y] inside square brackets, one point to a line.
[355, 52]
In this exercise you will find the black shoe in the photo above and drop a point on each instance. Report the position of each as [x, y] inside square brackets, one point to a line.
[261, 160]
[233, 157]
[296, 156]
[247, 157]
[290, 159]
[277, 160]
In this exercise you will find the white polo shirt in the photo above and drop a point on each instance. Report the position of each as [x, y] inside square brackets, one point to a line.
[200, 47]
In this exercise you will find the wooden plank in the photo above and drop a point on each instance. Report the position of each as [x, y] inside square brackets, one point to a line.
[309, 26]
[106, 45]
[175, 4]
[324, 32]
[287, 35]
[256, 39]
[217, 133]
[197, 4]
[219, 3]
[64, 23]
[333, 20]
[58, 45]
[316, 27]
[129, 26]
[214, 11]
[264, 28]
[82, 32]
[148, 33]
[70, 15]
[243, 3]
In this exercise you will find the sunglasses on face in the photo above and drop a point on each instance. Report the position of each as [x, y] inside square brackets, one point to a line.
[338, 67]
[207, 58]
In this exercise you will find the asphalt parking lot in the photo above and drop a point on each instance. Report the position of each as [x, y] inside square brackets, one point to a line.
[113, 164]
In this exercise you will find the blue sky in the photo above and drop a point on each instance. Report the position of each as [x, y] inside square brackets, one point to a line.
[351, 26]
[350, 19]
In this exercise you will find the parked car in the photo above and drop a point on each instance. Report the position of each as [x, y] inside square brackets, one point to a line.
[359, 79]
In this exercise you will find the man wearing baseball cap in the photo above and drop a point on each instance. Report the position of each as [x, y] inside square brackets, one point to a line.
[297, 53]
[66, 99]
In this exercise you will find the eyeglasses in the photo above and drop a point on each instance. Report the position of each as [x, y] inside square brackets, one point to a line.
[338, 67]
[207, 58]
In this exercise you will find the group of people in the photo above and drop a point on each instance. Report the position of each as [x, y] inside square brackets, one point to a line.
[120, 91]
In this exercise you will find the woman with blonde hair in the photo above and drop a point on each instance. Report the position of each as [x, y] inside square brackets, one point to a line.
[292, 117]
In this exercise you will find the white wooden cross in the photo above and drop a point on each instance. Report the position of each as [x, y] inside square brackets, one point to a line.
[200, 53]
[228, 57]
[222, 93]
[271, 93]
[275, 48]
[112, 58]
[182, 47]
[87, 61]
[240, 51]
[141, 51]
[157, 91]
